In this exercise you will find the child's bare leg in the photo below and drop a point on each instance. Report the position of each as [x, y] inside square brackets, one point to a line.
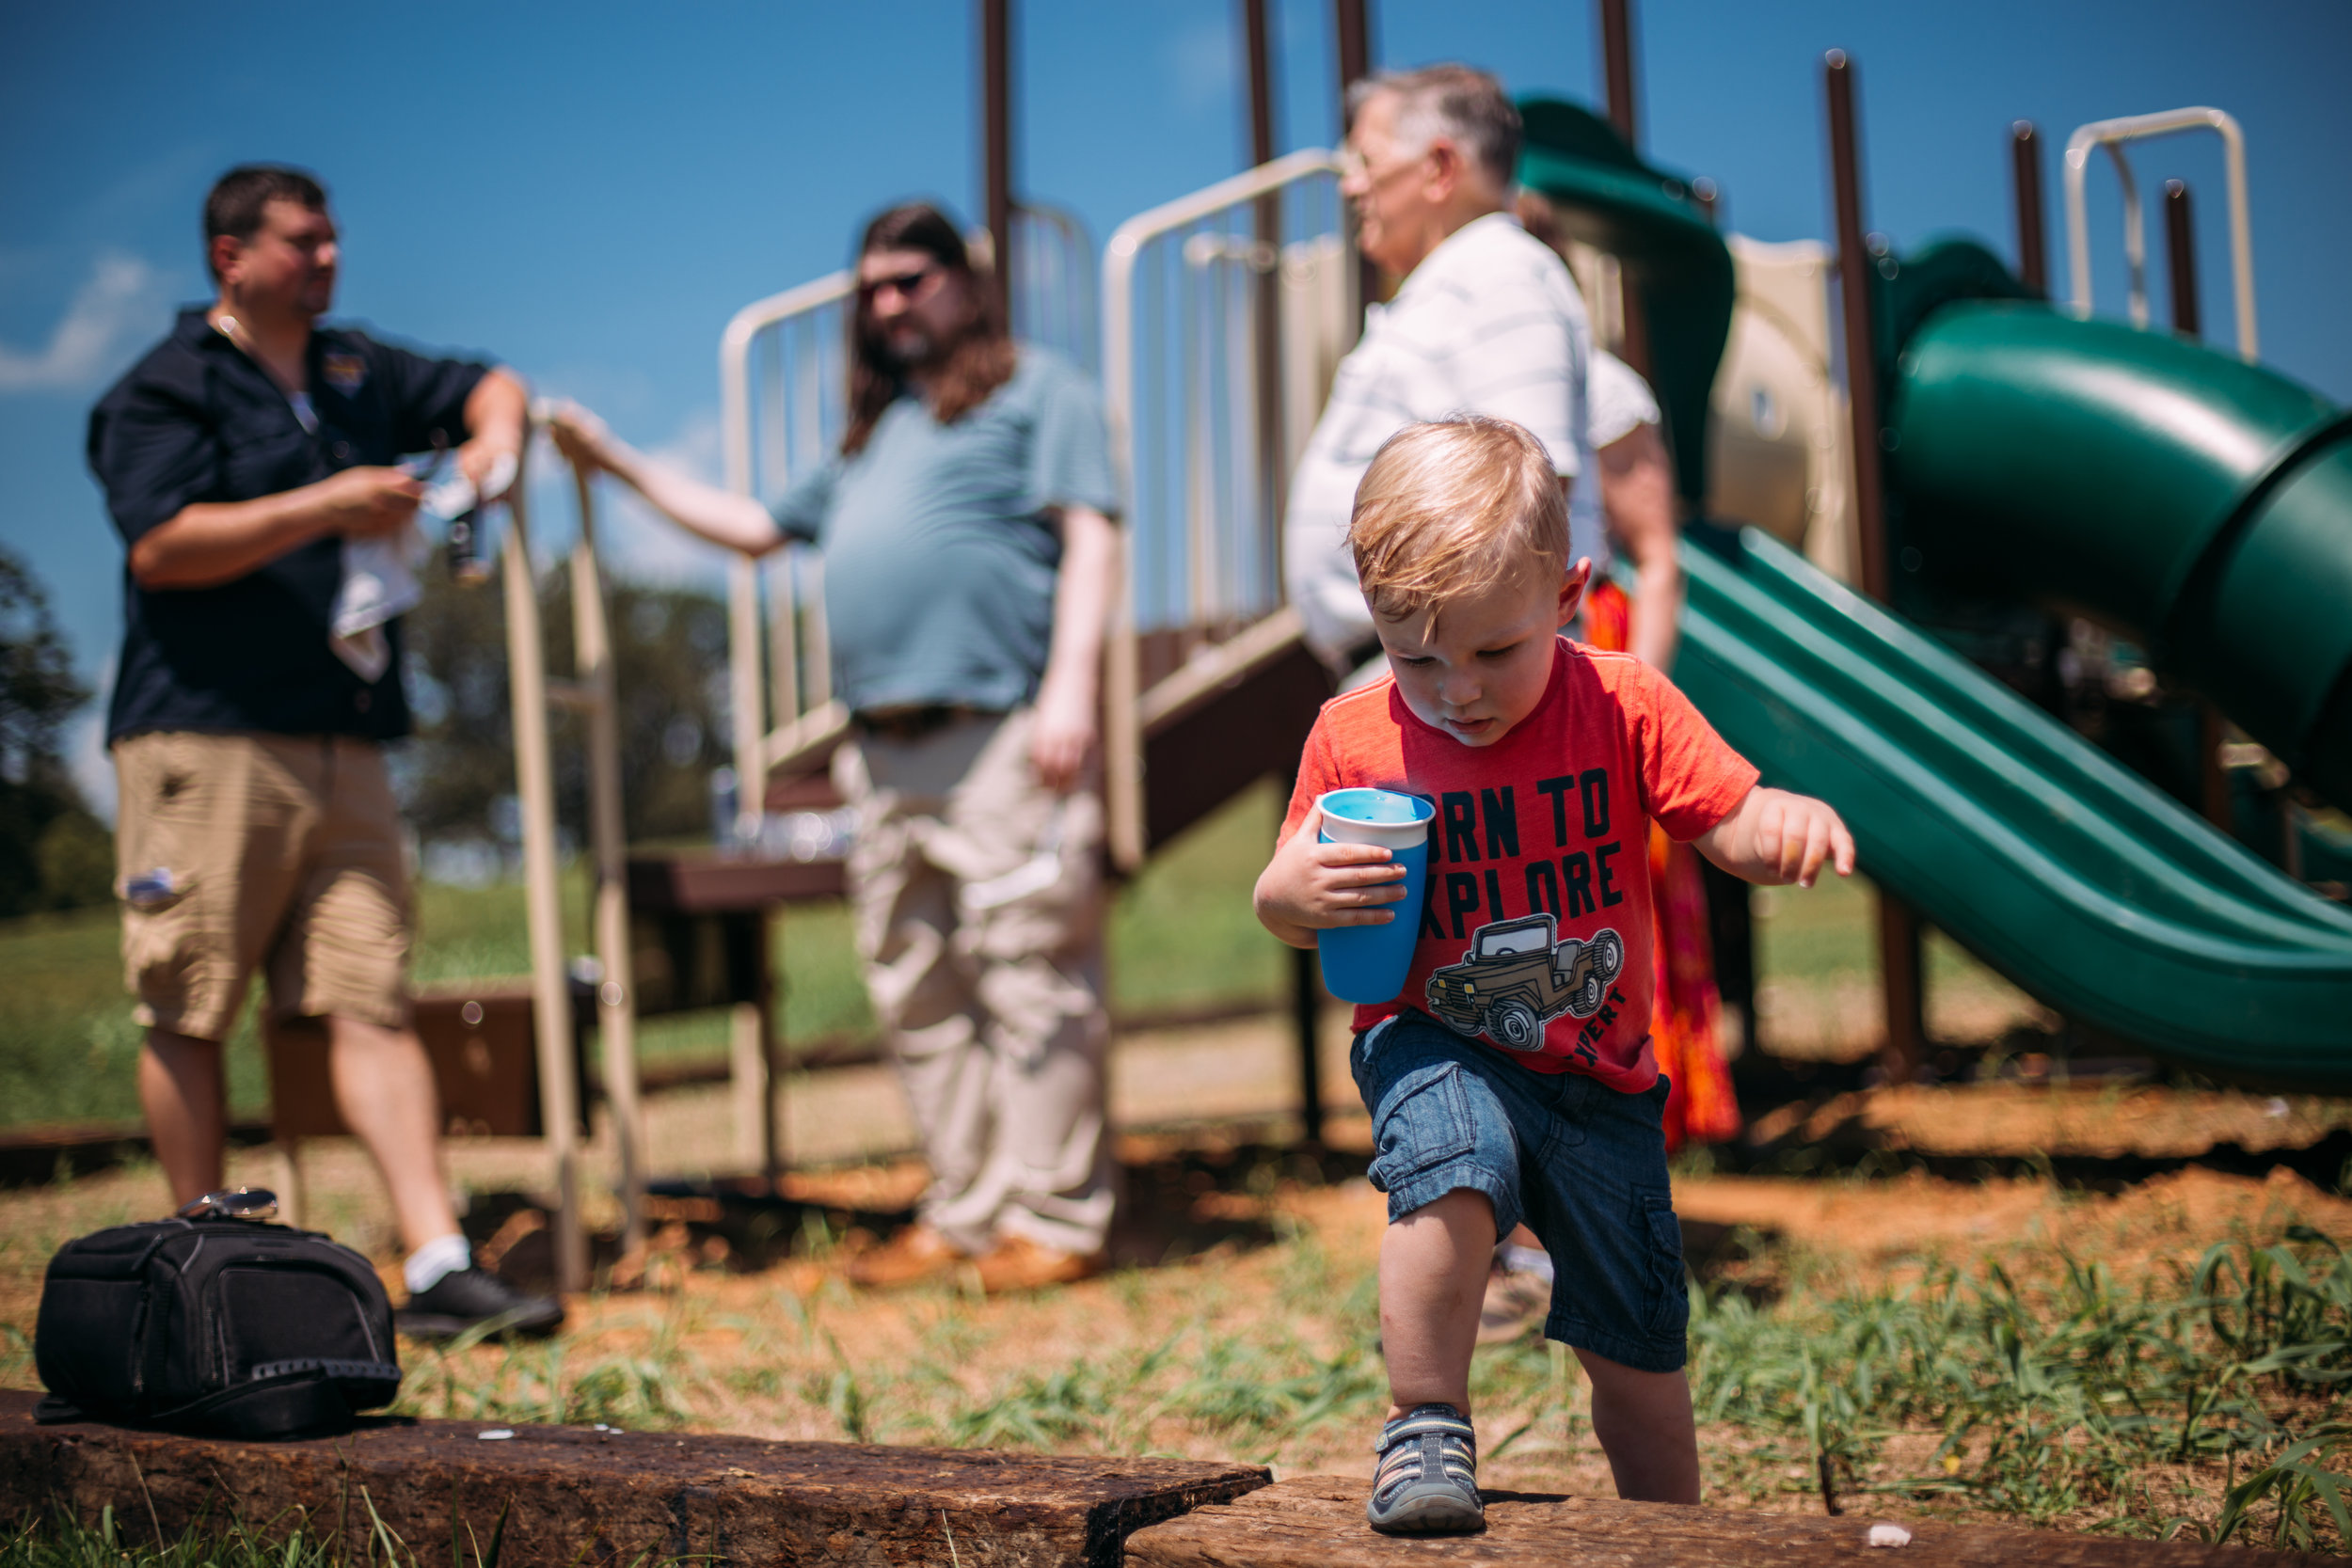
[1433, 1277]
[1644, 1422]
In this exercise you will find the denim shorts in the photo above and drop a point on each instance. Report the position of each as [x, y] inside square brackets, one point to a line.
[1580, 1163]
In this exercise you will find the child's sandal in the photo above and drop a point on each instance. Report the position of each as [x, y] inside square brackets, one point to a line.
[1427, 1482]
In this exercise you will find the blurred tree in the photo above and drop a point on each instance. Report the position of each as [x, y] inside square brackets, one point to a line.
[53, 853]
[457, 777]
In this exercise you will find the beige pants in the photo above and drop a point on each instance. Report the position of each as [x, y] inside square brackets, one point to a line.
[978, 902]
[245, 852]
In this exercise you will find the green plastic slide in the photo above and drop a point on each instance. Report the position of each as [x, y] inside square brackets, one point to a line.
[2050, 862]
[2198, 504]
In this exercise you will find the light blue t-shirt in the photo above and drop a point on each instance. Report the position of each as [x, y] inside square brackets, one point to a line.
[939, 560]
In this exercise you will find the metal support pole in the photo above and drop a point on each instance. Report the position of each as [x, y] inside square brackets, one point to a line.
[1352, 29]
[1272, 470]
[1616, 54]
[616, 989]
[996, 138]
[1307, 1018]
[1855, 267]
[2033, 251]
[1351, 35]
[1899, 972]
[2179, 237]
[550, 988]
[2180, 265]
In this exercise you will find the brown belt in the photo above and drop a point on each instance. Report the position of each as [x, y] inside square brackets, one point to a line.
[913, 723]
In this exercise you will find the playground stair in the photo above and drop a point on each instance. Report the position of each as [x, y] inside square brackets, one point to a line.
[440, 1494]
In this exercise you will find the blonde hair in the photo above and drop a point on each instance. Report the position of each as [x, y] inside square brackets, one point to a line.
[1454, 509]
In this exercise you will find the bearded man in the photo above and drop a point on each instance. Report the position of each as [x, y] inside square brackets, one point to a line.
[969, 562]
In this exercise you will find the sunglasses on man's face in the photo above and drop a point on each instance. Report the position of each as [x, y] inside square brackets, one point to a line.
[906, 285]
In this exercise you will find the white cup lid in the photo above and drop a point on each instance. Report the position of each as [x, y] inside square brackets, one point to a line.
[1381, 816]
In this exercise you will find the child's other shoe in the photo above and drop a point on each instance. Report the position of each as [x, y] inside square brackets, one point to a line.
[1427, 1482]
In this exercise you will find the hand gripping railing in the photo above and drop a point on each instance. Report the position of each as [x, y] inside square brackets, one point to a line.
[2112, 134]
[1224, 314]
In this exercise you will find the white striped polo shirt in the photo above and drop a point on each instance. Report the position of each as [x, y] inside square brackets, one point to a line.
[1490, 322]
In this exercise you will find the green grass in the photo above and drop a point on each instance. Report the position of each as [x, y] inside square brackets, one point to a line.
[1827, 932]
[2203, 1401]
[2062, 1397]
[1182, 937]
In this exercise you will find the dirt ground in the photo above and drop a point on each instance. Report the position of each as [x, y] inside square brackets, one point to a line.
[1243, 1270]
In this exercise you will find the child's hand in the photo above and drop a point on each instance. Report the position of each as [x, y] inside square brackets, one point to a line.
[1310, 886]
[1775, 837]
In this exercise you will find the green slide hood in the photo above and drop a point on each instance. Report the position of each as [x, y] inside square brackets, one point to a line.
[2199, 504]
[1609, 198]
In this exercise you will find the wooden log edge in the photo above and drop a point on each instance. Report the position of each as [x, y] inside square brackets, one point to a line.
[1318, 1522]
[573, 1495]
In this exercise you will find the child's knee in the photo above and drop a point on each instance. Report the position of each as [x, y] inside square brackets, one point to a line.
[1466, 1213]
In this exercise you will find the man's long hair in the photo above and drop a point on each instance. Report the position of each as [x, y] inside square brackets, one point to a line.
[969, 369]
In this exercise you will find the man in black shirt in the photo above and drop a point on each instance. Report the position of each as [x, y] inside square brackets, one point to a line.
[258, 828]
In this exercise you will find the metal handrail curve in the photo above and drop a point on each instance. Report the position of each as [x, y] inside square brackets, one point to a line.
[2111, 134]
[1123, 695]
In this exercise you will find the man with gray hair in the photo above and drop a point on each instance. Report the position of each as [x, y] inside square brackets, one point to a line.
[1486, 320]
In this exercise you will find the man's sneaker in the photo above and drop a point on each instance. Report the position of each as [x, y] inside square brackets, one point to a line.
[475, 1299]
[1427, 1482]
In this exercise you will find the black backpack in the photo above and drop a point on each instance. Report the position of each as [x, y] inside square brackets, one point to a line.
[215, 1325]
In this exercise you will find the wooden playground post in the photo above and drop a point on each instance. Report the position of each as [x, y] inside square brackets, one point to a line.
[997, 140]
[2033, 252]
[1617, 52]
[1257, 35]
[1352, 36]
[617, 1001]
[2180, 265]
[1900, 969]
[550, 988]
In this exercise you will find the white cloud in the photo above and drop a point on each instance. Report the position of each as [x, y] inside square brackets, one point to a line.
[117, 303]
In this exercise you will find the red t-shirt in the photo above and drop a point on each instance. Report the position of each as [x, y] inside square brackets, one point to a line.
[1535, 936]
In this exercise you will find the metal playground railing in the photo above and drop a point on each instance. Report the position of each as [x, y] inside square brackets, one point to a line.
[1223, 315]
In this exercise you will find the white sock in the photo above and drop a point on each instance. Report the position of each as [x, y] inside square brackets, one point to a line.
[435, 1262]
[1531, 1260]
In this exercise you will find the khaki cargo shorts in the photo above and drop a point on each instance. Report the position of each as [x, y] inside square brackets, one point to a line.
[245, 852]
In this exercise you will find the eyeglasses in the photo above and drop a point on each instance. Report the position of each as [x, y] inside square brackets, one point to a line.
[906, 285]
[1355, 167]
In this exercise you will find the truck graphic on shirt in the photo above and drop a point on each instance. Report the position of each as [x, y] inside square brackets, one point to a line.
[1517, 977]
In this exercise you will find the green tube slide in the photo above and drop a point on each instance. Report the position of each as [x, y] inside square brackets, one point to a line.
[2054, 863]
[2199, 504]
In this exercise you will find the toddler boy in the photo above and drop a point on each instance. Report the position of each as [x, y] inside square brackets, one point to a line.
[1503, 1087]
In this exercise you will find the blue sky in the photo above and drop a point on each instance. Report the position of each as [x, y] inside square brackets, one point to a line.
[588, 192]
